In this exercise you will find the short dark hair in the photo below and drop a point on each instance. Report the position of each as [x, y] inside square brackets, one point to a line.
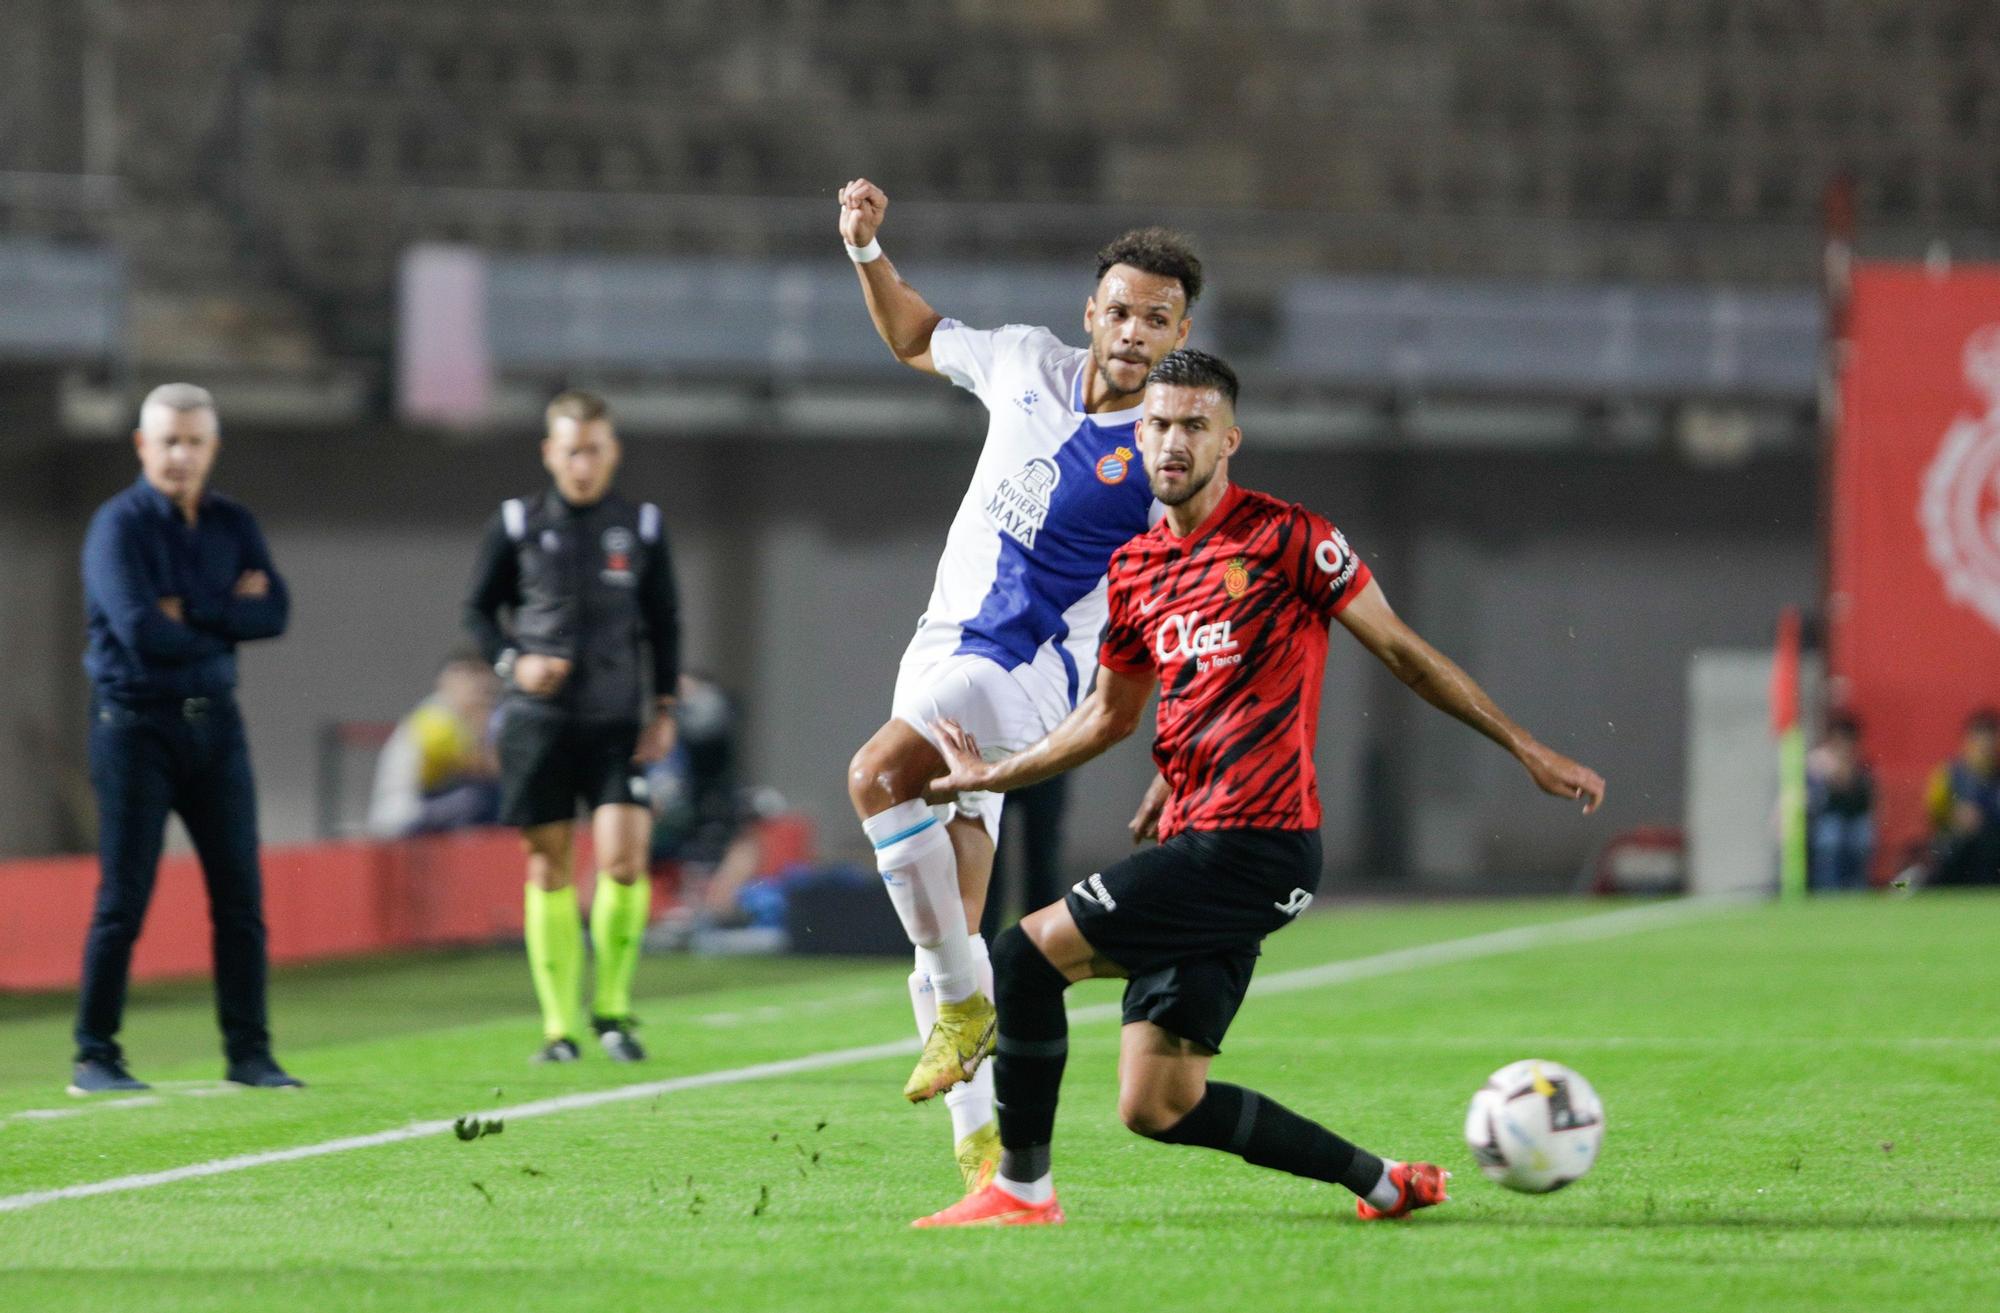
[1843, 725]
[1189, 368]
[1984, 720]
[578, 405]
[1159, 251]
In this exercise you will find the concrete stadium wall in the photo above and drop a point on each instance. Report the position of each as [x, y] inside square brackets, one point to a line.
[1573, 586]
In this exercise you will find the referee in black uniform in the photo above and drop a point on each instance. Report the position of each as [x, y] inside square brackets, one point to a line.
[573, 601]
[174, 577]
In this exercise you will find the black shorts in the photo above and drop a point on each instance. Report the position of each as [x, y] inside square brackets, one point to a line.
[550, 762]
[1186, 920]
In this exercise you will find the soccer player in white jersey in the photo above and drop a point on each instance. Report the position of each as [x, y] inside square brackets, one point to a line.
[1007, 643]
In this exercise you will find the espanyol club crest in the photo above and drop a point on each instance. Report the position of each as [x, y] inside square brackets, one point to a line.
[1960, 505]
[1115, 466]
[618, 544]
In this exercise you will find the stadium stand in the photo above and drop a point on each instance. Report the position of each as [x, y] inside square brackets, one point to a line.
[290, 158]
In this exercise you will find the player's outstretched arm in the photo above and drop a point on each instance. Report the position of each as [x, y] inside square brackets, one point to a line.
[1110, 713]
[1437, 679]
[903, 318]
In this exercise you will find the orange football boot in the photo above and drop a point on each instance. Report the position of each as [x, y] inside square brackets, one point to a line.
[1419, 1185]
[992, 1206]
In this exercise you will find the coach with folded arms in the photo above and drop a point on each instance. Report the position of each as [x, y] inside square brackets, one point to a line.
[174, 577]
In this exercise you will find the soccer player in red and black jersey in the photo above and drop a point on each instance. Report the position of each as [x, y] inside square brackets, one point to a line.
[1226, 605]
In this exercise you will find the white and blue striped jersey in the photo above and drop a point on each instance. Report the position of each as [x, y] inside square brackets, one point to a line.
[1055, 493]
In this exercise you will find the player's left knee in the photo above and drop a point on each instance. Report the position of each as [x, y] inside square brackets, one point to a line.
[1153, 1114]
[1019, 964]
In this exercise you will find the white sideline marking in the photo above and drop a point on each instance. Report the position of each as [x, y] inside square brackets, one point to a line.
[192, 1089]
[1603, 926]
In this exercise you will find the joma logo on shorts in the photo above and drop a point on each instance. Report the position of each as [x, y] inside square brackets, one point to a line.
[1298, 902]
[1093, 890]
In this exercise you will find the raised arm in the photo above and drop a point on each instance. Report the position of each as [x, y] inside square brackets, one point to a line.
[903, 318]
[1110, 713]
[1437, 679]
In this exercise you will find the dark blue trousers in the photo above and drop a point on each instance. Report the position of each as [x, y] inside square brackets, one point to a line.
[190, 758]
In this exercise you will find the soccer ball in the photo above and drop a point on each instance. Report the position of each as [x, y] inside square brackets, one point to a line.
[1534, 1126]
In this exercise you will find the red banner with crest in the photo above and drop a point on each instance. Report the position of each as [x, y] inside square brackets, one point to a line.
[1914, 595]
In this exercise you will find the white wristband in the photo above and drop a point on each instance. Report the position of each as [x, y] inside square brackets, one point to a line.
[865, 254]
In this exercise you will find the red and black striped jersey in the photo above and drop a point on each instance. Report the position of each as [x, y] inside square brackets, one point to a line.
[1234, 620]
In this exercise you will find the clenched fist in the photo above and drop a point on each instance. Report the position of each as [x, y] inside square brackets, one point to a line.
[862, 205]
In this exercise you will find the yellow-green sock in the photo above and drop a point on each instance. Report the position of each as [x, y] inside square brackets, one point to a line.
[555, 957]
[617, 928]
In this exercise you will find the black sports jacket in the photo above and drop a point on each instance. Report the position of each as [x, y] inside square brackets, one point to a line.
[592, 584]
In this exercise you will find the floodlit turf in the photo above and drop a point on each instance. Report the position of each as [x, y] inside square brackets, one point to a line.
[1804, 1112]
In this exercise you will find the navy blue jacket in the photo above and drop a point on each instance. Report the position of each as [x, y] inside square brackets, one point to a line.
[138, 550]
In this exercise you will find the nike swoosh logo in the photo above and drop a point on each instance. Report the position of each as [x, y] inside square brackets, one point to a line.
[1146, 608]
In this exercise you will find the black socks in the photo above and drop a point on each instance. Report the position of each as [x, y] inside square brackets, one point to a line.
[1029, 1054]
[1033, 1046]
[1268, 1134]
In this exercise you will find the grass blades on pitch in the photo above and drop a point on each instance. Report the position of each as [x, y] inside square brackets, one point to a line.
[1802, 1109]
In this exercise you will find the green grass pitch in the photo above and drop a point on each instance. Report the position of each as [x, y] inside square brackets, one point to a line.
[1804, 1112]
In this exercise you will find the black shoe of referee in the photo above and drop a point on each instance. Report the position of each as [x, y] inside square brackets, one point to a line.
[559, 1050]
[615, 1034]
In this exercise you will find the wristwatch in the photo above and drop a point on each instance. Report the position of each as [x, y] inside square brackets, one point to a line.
[504, 667]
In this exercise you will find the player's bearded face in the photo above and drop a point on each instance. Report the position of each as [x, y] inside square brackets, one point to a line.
[581, 456]
[1184, 436]
[1134, 319]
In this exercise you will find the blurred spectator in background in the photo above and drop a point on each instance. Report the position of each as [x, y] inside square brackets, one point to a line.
[1840, 809]
[1964, 805]
[702, 813]
[438, 770]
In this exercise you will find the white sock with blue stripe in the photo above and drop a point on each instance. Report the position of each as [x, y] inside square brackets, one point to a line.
[914, 854]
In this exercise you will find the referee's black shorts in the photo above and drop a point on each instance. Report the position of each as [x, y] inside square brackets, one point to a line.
[1187, 920]
[551, 762]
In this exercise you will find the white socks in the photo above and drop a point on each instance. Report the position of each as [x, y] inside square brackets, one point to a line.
[1038, 1191]
[1384, 1194]
[913, 852]
[971, 1103]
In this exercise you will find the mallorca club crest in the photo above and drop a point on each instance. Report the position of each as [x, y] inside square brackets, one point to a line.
[1960, 506]
[1236, 578]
